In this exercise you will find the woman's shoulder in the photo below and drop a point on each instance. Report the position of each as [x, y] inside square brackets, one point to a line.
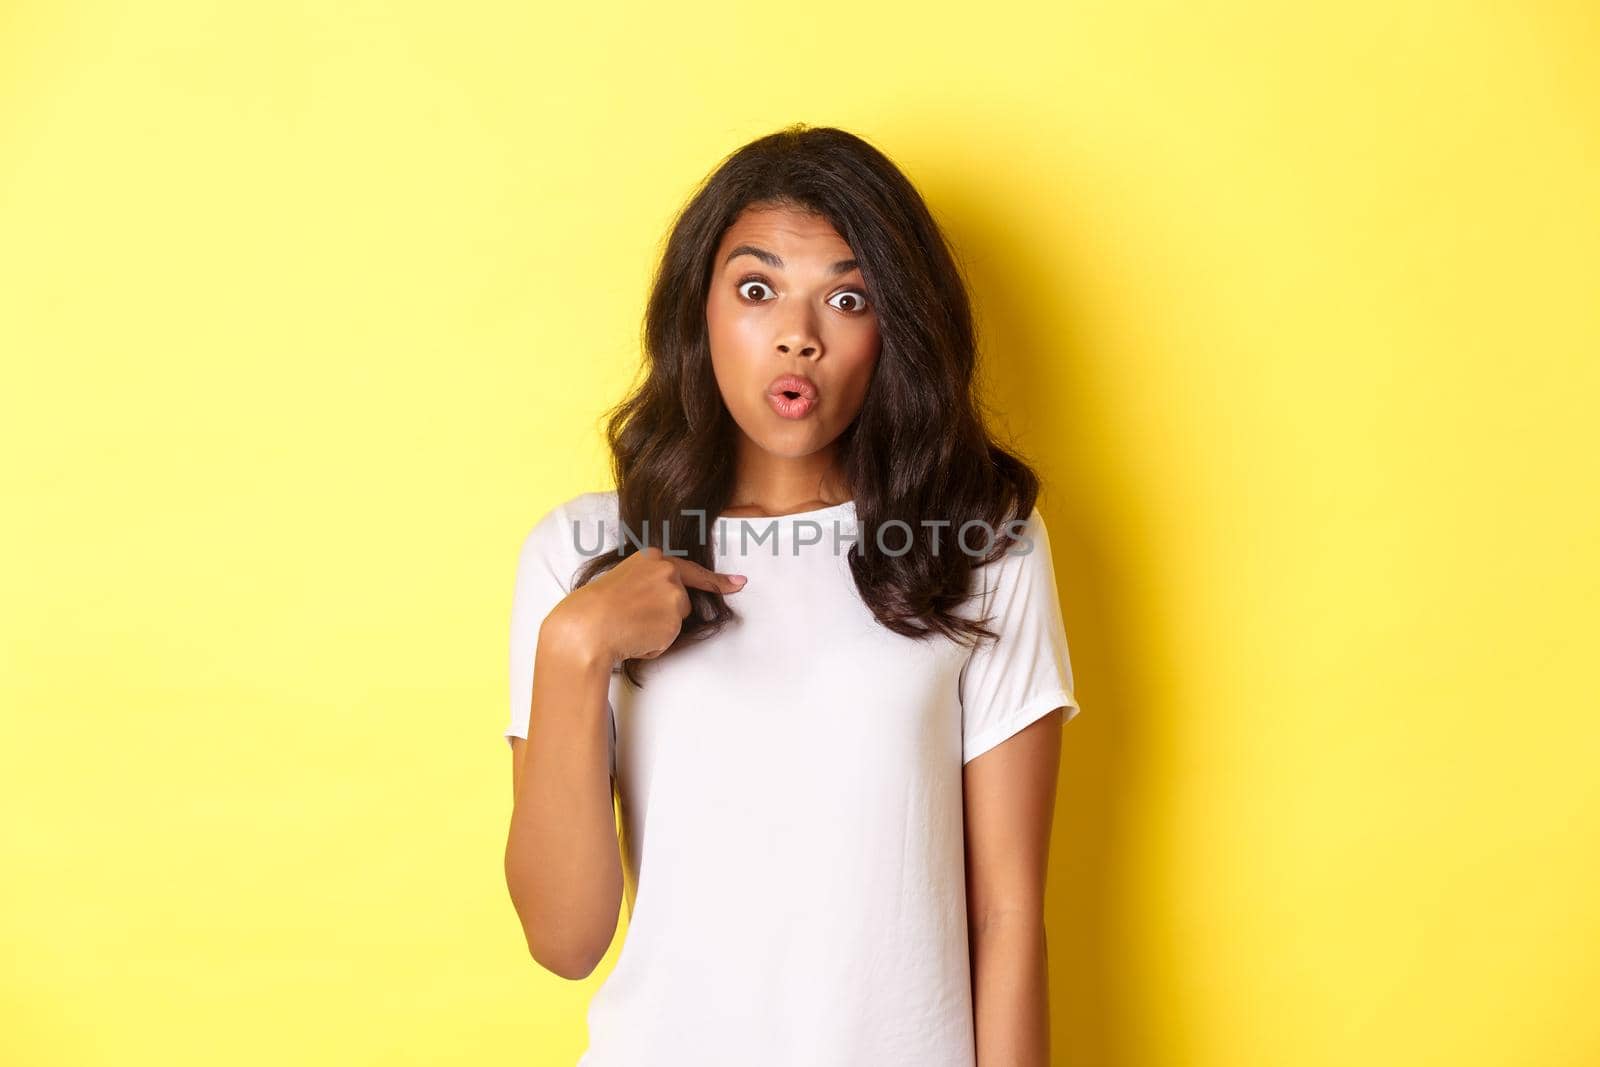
[1021, 536]
[576, 526]
[1027, 548]
[594, 504]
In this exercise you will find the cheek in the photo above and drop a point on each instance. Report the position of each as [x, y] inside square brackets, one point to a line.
[858, 351]
[857, 339]
[728, 329]
[716, 314]
[729, 366]
[717, 332]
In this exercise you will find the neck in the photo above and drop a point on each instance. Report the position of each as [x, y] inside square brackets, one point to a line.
[769, 485]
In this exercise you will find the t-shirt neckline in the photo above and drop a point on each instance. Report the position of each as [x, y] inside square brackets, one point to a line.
[841, 508]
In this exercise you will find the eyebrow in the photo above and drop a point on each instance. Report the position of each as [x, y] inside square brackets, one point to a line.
[772, 260]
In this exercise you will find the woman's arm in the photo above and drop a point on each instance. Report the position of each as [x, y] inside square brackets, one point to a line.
[563, 860]
[1010, 800]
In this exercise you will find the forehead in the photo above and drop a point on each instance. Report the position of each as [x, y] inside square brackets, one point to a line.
[791, 233]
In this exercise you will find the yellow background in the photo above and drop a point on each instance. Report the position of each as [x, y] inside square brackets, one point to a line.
[309, 310]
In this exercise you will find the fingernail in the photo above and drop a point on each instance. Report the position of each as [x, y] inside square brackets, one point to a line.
[739, 578]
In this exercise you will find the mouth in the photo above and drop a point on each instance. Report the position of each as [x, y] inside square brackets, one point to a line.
[793, 387]
[792, 396]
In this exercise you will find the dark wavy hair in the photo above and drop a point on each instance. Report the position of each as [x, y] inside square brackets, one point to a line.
[919, 448]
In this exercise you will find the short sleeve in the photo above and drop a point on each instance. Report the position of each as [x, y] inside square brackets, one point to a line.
[1010, 682]
[546, 565]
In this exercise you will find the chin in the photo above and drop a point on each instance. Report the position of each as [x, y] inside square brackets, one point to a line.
[788, 449]
[799, 442]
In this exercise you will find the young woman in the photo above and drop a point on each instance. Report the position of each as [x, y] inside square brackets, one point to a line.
[811, 641]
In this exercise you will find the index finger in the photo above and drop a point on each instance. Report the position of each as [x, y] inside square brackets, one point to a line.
[691, 573]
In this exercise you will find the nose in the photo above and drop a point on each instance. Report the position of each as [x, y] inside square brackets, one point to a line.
[798, 337]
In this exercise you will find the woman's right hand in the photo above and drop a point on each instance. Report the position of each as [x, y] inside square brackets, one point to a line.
[636, 609]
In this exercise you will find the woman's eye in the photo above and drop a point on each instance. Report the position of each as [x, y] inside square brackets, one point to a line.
[854, 300]
[758, 291]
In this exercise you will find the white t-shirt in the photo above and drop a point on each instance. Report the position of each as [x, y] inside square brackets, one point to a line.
[791, 796]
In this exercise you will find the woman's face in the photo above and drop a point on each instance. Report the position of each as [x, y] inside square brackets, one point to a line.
[788, 299]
